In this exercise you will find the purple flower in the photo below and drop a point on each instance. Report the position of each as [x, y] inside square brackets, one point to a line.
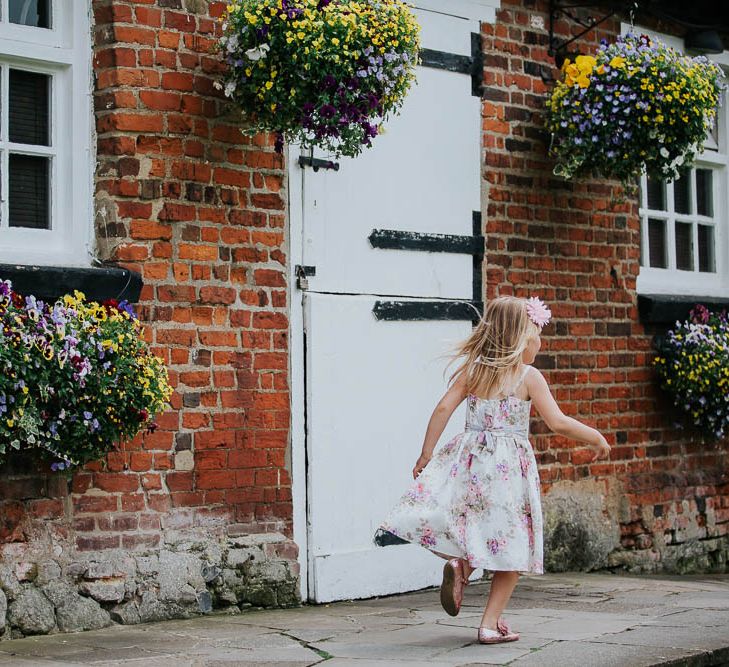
[127, 308]
[327, 111]
[279, 143]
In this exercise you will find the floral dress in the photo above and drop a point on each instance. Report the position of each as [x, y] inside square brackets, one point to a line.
[479, 496]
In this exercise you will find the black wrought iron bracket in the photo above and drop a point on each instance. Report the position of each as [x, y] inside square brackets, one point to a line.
[317, 163]
[563, 8]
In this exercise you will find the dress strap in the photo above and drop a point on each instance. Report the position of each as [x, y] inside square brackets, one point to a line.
[522, 375]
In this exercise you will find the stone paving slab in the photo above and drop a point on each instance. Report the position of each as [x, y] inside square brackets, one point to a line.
[588, 654]
[583, 620]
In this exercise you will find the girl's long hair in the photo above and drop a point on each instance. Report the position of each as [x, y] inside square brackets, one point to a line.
[491, 355]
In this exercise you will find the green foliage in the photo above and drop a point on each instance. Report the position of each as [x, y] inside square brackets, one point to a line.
[76, 377]
[324, 73]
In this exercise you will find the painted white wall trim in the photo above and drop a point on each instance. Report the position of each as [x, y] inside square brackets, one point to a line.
[297, 364]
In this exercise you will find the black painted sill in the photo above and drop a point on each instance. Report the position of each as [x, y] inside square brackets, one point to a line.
[50, 282]
[664, 309]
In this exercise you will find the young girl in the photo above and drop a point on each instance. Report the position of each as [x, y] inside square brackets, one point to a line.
[476, 503]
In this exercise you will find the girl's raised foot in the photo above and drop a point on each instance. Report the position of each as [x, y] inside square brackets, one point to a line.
[451, 590]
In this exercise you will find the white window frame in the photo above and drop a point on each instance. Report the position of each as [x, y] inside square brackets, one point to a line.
[64, 52]
[652, 280]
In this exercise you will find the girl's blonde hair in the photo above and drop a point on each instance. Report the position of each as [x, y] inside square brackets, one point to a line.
[492, 353]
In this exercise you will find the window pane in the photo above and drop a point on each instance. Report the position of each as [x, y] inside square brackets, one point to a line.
[29, 191]
[704, 192]
[684, 246]
[657, 243]
[29, 107]
[656, 195]
[36, 13]
[682, 193]
[706, 249]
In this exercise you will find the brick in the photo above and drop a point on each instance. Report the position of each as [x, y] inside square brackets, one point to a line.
[129, 122]
[134, 35]
[148, 16]
[179, 21]
[198, 252]
[177, 81]
[160, 100]
[270, 321]
[177, 212]
[116, 482]
[240, 179]
[269, 278]
[146, 229]
[218, 338]
[213, 295]
[209, 479]
[247, 458]
[98, 542]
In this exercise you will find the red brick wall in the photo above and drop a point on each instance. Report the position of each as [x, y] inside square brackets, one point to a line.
[199, 210]
[576, 244]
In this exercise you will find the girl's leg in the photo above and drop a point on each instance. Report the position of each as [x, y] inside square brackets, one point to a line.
[502, 586]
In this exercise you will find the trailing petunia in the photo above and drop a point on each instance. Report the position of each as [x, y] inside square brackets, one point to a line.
[324, 73]
[636, 106]
[76, 377]
[693, 365]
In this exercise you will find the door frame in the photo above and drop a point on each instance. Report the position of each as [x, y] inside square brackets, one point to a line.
[297, 369]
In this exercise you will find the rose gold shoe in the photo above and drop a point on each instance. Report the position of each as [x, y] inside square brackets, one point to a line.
[502, 634]
[451, 590]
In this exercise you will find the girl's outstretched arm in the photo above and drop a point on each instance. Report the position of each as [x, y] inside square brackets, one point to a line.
[438, 420]
[557, 421]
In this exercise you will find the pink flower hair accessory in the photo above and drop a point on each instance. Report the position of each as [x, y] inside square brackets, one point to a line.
[538, 311]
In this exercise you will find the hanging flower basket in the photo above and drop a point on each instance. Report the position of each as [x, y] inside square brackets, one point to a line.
[324, 73]
[693, 365]
[76, 377]
[636, 106]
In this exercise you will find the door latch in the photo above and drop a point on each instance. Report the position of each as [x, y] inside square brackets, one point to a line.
[302, 276]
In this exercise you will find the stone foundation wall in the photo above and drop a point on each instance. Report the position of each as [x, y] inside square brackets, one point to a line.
[47, 586]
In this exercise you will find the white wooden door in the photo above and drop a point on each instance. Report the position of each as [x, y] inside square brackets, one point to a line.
[385, 238]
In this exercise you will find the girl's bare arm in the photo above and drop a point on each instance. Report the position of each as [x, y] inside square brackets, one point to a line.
[557, 421]
[438, 420]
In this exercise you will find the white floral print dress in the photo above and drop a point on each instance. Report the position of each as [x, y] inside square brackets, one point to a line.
[479, 496]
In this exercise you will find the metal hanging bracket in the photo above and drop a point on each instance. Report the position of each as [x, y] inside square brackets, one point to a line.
[317, 163]
[563, 8]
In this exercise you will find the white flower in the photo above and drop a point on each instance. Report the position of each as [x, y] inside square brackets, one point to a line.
[229, 88]
[678, 161]
[664, 152]
[232, 44]
[217, 85]
[258, 52]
